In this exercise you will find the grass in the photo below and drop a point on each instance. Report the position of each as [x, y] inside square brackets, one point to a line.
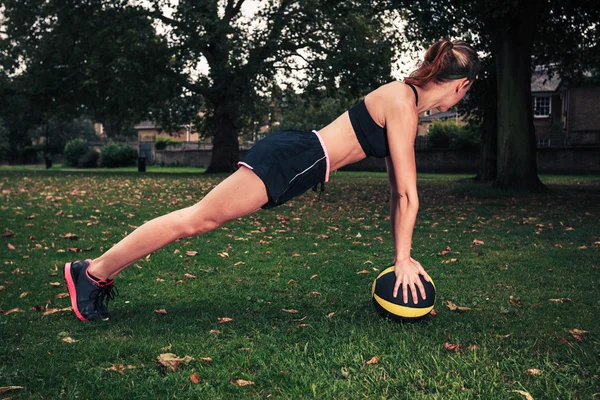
[303, 256]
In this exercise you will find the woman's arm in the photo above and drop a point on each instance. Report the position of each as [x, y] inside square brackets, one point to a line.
[401, 124]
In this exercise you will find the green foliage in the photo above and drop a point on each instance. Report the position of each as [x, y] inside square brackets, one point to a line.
[310, 111]
[74, 150]
[4, 143]
[114, 155]
[89, 159]
[451, 135]
[162, 142]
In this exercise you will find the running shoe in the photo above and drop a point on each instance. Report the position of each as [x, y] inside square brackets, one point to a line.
[89, 296]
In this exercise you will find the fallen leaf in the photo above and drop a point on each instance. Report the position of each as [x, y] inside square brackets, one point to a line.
[295, 255]
[160, 280]
[433, 312]
[215, 332]
[191, 253]
[11, 247]
[533, 371]
[501, 336]
[207, 359]
[453, 307]
[239, 263]
[195, 378]
[577, 333]
[70, 236]
[314, 276]
[445, 252]
[68, 339]
[55, 284]
[223, 254]
[13, 310]
[23, 294]
[2, 287]
[5, 389]
[161, 311]
[303, 325]
[62, 295]
[561, 300]
[172, 362]
[477, 242]
[55, 310]
[241, 382]
[364, 271]
[373, 360]
[330, 314]
[452, 260]
[225, 319]
[472, 347]
[10, 233]
[289, 311]
[524, 393]
[453, 347]
[190, 276]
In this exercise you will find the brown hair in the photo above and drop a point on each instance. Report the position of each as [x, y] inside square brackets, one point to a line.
[446, 61]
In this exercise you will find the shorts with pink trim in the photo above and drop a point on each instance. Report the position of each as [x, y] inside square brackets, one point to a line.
[289, 163]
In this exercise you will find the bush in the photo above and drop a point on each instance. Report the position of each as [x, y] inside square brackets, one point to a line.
[74, 150]
[114, 155]
[451, 135]
[162, 142]
[89, 160]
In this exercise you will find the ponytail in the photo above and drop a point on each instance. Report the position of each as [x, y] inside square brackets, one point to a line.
[445, 61]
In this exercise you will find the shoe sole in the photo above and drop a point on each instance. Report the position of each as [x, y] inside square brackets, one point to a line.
[72, 291]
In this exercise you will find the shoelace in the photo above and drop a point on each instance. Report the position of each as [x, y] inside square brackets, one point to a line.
[103, 295]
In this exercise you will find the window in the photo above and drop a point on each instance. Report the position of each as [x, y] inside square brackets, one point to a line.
[541, 106]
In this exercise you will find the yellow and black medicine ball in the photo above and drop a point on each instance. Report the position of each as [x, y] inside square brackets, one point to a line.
[395, 308]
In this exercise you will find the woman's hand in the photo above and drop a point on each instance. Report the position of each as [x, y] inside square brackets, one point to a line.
[407, 275]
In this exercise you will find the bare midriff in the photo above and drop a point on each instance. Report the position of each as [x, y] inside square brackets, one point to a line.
[341, 143]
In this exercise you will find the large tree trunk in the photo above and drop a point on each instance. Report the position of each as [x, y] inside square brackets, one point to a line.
[512, 46]
[226, 147]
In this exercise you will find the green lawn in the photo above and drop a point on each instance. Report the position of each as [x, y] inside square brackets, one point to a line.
[534, 279]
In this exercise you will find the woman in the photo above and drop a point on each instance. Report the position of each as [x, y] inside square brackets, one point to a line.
[287, 163]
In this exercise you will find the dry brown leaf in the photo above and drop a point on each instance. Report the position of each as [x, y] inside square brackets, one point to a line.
[533, 371]
[477, 242]
[561, 300]
[364, 271]
[303, 325]
[23, 294]
[433, 312]
[55, 310]
[172, 362]
[454, 347]
[55, 284]
[5, 389]
[11, 247]
[9, 234]
[160, 280]
[215, 332]
[62, 295]
[119, 367]
[69, 339]
[445, 252]
[330, 314]
[223, 254]
[191, 253]
[289, 311]
[161, 311]
[70, 236]
[577, 333]
[14, 310]
[241, 382]
[452, 260]
[314, 276]
[190, 276]
[225, 319]
[195, 378]
[2, 287]
[296, 255]
[453, 307]
[373, 360]
[207, 359]
[524, 393]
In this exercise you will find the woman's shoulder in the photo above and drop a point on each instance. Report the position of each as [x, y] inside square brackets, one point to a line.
[394, 93]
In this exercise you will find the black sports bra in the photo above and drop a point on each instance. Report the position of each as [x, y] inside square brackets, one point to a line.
[372, 137]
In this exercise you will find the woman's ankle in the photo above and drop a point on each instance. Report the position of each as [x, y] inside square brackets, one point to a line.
[97, 271]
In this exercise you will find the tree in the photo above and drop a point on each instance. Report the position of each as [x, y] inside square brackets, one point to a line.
[516, 34]
[96, 57]
[333, 42]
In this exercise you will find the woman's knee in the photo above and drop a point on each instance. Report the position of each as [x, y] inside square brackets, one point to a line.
[196, 221]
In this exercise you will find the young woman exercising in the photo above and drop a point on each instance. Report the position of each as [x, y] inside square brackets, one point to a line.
[287, 163]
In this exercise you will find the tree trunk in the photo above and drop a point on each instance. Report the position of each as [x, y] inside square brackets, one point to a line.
[517, 165]
[226, 147]
[489, 134]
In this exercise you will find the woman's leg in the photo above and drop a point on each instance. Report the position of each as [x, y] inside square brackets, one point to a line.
[240, 194]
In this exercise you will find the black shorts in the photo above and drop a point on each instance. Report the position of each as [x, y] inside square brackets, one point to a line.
[289, 163]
